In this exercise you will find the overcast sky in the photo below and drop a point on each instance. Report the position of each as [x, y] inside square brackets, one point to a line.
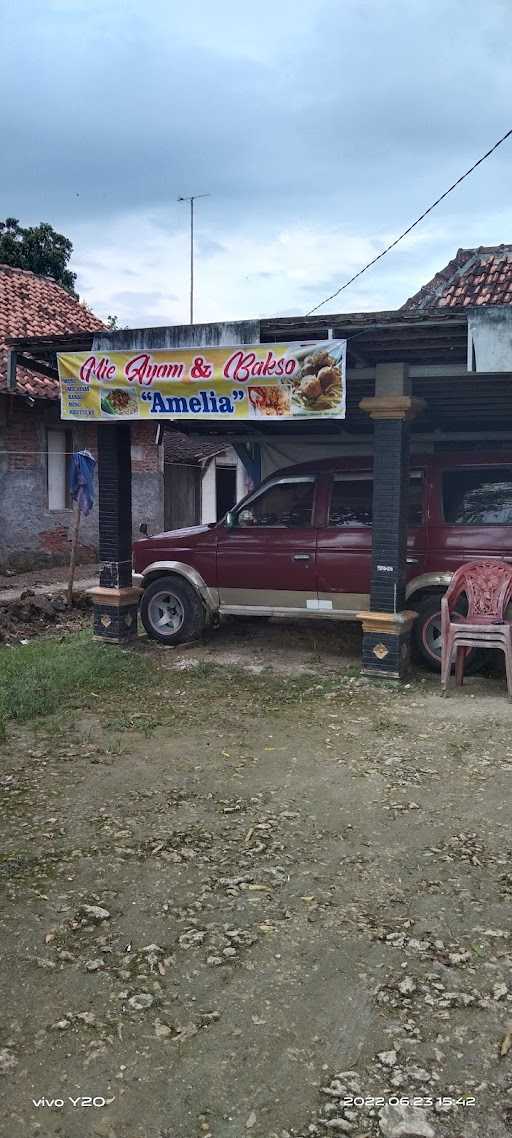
[321, 128]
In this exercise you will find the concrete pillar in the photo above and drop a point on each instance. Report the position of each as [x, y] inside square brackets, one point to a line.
[241, 479]
[387, 624]
[392, 379]
[209, 493]
[115, 601]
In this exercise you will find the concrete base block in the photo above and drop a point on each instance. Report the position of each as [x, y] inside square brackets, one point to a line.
[387, 643]
[115, 614]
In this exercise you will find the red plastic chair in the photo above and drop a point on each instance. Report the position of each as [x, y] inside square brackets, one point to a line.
[488, 588]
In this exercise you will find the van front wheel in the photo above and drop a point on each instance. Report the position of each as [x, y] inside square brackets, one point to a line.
[427, 636]
[171, 611]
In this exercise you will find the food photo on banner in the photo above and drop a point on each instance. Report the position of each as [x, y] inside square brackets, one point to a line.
[249, 381]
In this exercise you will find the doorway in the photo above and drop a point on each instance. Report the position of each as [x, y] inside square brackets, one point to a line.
[182, 496]
[225, 489]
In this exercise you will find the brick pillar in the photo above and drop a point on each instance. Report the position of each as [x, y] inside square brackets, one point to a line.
[115, 601]
[387, 625]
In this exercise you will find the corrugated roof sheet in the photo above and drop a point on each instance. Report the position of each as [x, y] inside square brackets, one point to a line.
[473, 277]
[32, 306]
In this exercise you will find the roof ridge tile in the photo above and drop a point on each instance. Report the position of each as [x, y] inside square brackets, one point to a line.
[472, 277]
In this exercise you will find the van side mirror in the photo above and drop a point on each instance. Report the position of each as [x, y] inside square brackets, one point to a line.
[230, 520]
[143, 528]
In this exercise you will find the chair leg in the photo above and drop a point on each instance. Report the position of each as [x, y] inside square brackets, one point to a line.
[459, 666]
[446, 660]
[507, 648]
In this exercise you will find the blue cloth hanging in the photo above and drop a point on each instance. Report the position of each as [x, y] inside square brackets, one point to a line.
[81, 480]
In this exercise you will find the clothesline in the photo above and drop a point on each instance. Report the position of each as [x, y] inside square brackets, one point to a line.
[68, 453]
[64, 453]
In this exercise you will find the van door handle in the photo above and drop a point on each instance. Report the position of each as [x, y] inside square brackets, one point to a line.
[413, 561]
[301, 557]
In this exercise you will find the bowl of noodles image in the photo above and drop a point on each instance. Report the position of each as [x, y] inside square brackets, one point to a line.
[269, 402]
[118, 402]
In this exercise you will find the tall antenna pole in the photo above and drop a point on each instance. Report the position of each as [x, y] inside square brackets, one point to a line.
[191, 260]
[192, 198]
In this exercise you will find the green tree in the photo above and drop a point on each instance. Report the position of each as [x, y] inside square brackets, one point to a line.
[38, 248]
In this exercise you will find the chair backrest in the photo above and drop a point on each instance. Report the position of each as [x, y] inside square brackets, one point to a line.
[487, 585]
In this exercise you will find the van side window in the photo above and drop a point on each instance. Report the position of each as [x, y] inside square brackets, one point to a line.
[287, 503]
[351, 501]
[478, 497]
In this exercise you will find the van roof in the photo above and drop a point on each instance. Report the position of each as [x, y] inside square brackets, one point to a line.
[365, 462]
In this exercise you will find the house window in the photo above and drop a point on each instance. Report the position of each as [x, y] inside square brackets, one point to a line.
[59, 446]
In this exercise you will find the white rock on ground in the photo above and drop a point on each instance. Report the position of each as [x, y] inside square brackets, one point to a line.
[387, 1058]
[8, 1060]
[404, 1122]
[140, 1001]
[95, 912]
[407, 986]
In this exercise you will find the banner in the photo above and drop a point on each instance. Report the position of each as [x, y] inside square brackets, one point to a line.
[248, 381]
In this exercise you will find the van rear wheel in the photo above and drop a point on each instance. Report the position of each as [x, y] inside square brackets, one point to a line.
[427, 636]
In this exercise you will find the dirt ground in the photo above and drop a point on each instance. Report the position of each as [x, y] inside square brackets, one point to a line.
[34, 603]
[257, 897]
[51, 575]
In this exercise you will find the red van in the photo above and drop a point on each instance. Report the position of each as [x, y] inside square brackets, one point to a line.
[300, 545]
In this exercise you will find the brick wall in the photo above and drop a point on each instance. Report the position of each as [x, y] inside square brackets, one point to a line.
[32, 535]
[23, 439]
[145, 454]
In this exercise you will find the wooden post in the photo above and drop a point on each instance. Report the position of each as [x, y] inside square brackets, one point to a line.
[72, 559]
[11, 369]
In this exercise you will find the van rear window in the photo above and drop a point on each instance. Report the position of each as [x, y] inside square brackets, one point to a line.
[480, 497]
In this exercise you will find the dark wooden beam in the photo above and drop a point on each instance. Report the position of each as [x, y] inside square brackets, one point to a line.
[11, 369]
[359, 359]
[37, 366]
[70, 342]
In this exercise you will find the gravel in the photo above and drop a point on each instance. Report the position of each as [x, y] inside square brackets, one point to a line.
[209, 916]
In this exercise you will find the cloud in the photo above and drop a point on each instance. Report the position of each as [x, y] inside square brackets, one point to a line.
[320, 129]
[276, 272]
[243, 275]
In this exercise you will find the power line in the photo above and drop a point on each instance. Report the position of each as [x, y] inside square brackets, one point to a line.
[410, 227]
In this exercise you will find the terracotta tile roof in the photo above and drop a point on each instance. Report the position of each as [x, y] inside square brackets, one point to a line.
[33, 306]
[187, 451]
[474, 276]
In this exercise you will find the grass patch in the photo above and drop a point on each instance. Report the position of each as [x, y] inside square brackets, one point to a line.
[48, 676]
[41, 678]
